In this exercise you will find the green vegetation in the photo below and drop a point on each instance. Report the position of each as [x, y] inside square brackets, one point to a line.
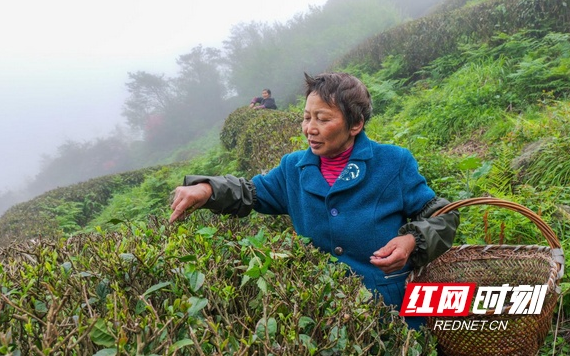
[486, 114]
[214, 285]
[259, 140]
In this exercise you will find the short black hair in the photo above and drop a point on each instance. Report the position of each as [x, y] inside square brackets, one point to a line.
[342, 90]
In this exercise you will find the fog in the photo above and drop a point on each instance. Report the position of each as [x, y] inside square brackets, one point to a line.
[64, 64]
[42, 107]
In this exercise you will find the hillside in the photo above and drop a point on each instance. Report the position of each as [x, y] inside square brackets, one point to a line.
[479, 92]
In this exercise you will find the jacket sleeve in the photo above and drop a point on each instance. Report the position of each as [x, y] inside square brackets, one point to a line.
[230, 195]
[434, 235]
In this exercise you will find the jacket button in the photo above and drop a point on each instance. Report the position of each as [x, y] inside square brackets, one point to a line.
[334, 212]
[338, 250]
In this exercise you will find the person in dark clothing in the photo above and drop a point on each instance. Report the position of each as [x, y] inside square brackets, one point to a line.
[265, 101]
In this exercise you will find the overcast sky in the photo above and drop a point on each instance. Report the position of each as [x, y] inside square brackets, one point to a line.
[64, 63]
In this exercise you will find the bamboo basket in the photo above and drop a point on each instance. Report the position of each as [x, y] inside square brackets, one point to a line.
[495, 265]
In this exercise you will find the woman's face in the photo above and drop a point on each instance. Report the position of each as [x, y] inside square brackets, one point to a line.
[325, 128]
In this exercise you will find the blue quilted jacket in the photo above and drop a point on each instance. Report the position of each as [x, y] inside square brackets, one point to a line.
[375, 195]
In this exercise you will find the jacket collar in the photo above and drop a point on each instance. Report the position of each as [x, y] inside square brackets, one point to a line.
[355, 170]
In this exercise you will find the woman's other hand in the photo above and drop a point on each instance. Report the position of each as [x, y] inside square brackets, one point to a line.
[395, 254]
[189, 198]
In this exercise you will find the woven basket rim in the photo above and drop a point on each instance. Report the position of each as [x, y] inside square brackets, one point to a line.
[544, 251]
[544, 228]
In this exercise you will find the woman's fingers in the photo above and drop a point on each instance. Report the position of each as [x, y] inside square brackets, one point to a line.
[182, 201]
[187, 199]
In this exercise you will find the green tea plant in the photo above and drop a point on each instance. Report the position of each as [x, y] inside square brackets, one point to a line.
[212, 285]
[72, 206]
[265, 139]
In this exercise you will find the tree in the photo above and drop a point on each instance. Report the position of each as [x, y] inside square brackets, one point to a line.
[249, 54]
[79, 161]
[200, 87]
[275, 56]
[170, 112]
[149, 95]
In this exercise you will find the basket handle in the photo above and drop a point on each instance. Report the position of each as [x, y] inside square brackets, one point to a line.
[548, 233]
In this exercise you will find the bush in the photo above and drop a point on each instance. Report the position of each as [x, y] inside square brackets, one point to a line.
[233, 126]
[220, 288]
[259, 138]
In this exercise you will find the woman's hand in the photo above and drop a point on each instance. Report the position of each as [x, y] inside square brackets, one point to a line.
[189, 198]
[395, 254]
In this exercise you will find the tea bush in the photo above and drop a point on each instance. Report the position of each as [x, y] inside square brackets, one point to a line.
[259, 138]
[151, 196]
[212, 285]
[234, 125]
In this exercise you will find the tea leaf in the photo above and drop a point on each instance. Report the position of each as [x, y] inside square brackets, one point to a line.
[156, 287]
[197, 305]
[100, 335]
[196, 280]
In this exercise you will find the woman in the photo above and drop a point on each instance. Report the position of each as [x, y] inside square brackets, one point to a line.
[361, 201]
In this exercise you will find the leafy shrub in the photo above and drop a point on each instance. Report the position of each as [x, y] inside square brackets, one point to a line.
[137, 203]
[234, 125]
[263, 139]
[191, 289]
[151, 197]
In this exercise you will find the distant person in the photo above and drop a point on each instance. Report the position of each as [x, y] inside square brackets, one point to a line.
[265, 101]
